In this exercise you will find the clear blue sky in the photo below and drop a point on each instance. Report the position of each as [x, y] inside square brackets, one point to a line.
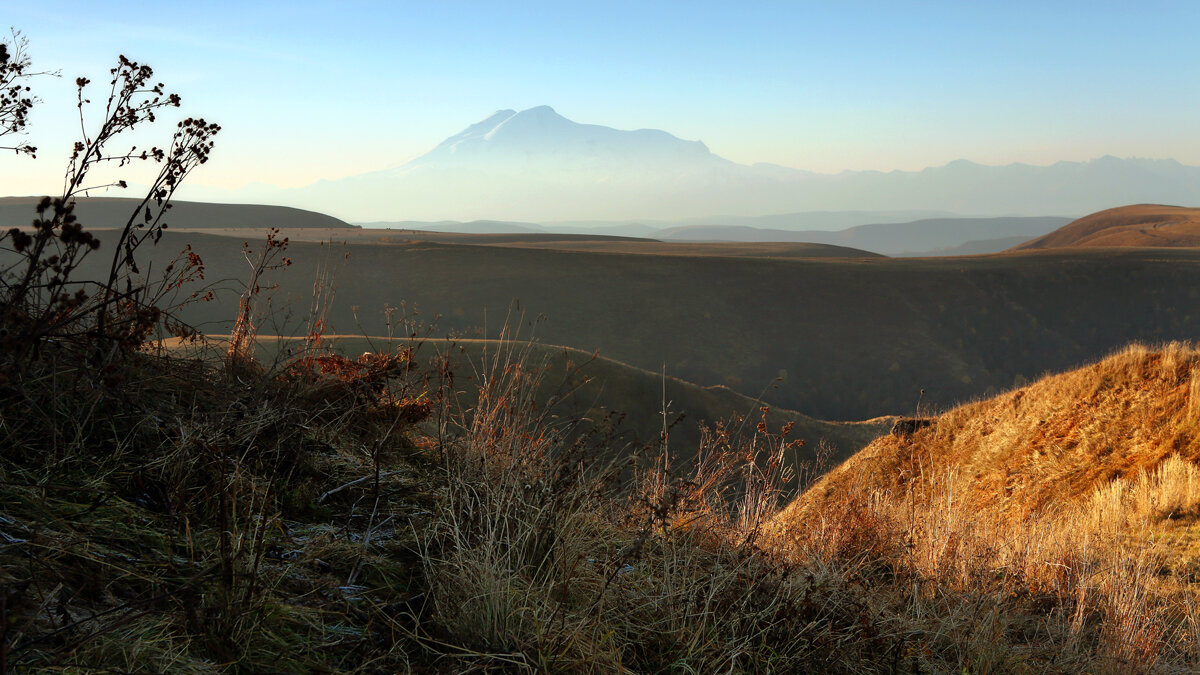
[311, 90]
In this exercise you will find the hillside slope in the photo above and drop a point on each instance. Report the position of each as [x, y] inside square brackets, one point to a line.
[109, 212]
[1043, 447]
[584, 385]
[1020, 527]
[1138, 225]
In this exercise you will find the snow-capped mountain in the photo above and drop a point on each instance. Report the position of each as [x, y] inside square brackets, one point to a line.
[541, 138]
[536, 165]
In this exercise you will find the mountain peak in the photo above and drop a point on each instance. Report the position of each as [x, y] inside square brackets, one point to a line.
[540, 110]
[541, 137]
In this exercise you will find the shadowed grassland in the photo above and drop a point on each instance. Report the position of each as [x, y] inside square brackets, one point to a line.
[401, 512]
[350, 516]
[387, 513]
[588, 387]
[854, 339]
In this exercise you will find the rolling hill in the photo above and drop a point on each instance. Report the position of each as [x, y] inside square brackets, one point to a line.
[392, 236]
[974, 247]
[1139, 225]
[473, 227]
[107, 212]
[597, 243]
[1071, 504]
[1043, 447]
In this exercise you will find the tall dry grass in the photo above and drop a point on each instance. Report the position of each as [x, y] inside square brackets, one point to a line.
[550, 552]
[1100, 579]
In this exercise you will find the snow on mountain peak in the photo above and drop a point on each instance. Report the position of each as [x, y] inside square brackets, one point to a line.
[540, 135]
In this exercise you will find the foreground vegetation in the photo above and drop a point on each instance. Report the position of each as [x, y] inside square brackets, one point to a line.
[345, 516]
[1052, 528]
[328, 514]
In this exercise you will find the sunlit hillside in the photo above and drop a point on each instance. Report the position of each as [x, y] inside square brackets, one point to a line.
[1145, 225]
[1042, 447]
[1063, 515]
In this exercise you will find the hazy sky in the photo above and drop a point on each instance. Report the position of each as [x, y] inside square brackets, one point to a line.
[312, 90]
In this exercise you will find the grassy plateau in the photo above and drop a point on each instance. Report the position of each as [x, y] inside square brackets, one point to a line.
[851, 338]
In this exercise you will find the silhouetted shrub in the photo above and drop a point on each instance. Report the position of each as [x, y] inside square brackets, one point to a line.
[42, 302]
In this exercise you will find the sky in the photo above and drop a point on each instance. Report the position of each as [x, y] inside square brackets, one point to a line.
[307, 91]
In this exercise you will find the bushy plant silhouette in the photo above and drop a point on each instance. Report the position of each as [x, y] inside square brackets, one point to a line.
[41, 301]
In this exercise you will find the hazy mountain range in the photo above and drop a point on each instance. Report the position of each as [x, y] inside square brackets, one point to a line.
[536, 165]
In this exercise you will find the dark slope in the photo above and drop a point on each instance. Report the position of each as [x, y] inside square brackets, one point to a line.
[852, 339]
[104, 212]
[887, 238]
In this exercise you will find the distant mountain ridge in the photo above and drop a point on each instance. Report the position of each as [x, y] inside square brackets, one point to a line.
[928, 236]
[536, 165]
[919, 236]
[806, 220]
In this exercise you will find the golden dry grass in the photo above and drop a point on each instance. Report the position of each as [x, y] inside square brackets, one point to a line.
[1138, 225]
[1066, 511]
[1048, 444]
